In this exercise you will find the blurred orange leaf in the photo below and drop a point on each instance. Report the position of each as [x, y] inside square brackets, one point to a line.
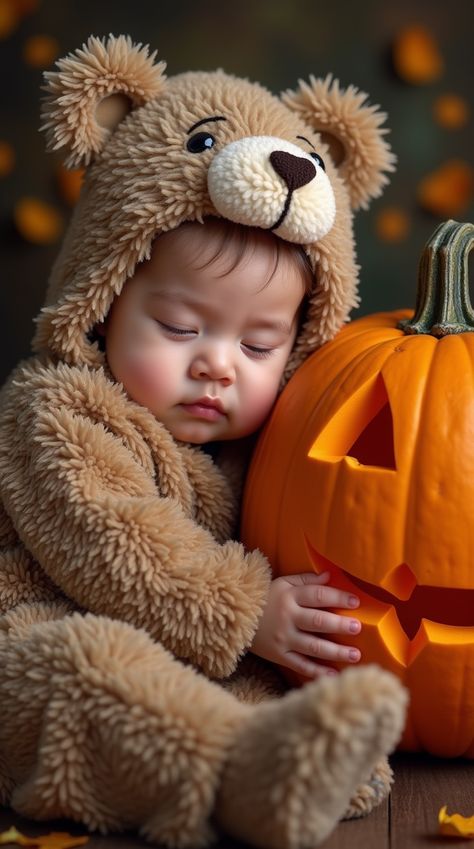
[54, 840]
[448, 190]
[451, 111]
[37, 221]
[416, 56]
[455, 825]
[9, 18]
[25, 7]
[40, 51]
[392, 224]
[70, 183]
[7, 158]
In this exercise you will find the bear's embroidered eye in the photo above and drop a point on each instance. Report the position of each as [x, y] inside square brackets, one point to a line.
[200, 142]
[319, 160]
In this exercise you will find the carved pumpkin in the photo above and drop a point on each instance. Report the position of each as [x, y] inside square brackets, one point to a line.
[366, 468]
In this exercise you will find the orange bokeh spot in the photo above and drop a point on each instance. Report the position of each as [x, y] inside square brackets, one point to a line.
[70, 183]
[392, 224]
[25, 7]
[451, 111]
[448, 190]
[7, 159]
[9, 18]
[40, 51]
[37, 221]
[416, 56]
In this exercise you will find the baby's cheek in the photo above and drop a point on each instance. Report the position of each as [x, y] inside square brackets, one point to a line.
[258, 404]
[144, 378]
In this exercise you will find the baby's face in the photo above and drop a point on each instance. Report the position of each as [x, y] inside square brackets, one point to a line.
[204, 349]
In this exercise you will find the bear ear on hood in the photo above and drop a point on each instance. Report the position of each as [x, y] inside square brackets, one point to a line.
[352, 131]
[92, 91]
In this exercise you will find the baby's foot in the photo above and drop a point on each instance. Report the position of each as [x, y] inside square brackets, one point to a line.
[298, 761]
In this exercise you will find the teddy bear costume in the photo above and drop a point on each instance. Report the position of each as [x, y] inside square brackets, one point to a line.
[126, 695]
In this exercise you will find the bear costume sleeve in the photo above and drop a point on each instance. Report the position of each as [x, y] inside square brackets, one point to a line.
[113, 525]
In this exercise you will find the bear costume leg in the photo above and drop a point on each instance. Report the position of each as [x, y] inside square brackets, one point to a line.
[100, 724]
[296, 765]
[256, 681]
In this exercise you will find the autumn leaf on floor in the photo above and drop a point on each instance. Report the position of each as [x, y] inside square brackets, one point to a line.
[454, 825]
[54, 840]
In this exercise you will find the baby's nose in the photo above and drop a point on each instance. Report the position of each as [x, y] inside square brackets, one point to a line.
[213, 366]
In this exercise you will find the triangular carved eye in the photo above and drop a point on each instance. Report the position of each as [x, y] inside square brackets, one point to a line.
[362, 428]
[374, 446]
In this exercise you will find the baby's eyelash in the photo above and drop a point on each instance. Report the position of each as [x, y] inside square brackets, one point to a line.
[254, 350]
[175, 331]
[260, 353]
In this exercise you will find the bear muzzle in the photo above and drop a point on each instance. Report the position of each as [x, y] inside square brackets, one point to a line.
[267, 182]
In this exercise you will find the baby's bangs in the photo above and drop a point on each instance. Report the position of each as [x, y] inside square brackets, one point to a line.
[237, 242]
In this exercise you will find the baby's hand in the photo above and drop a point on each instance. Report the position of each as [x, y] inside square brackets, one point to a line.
[289, 632]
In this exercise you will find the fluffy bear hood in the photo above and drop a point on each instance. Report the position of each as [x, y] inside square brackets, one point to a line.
[160, 151]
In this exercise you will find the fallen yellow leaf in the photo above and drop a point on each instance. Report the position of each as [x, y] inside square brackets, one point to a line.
[13, 836]
[455, 825]
[54, 840]
[60, 840]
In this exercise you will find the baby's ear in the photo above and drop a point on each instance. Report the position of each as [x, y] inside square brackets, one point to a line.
[352, 131]
[92, 91]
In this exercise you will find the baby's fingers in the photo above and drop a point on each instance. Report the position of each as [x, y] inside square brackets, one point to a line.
[318, 620]
[306, 666]
[314, 646]
[320, 595]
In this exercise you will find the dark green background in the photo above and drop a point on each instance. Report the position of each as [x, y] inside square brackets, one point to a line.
[272, 41]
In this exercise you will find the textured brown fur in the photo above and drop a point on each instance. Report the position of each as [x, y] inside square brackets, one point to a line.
[126, 695]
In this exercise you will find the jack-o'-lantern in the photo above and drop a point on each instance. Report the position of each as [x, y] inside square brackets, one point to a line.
[366, 469]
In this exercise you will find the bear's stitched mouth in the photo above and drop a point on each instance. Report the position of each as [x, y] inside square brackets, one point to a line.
[443, 605]
[284, 211]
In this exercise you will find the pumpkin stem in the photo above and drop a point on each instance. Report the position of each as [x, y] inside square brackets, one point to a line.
[443, 304]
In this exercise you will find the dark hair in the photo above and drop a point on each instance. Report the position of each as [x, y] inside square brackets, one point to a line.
[241, 240]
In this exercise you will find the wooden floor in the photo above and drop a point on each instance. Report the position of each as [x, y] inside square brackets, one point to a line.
[408, 820]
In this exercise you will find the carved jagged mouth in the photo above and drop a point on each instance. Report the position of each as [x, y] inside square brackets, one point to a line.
[443, 605]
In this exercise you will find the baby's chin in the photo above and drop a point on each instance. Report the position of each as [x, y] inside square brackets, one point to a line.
[197, 433]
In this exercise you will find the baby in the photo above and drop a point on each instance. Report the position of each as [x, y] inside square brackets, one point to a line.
[196, 345]
[135, 630]
[200, 336]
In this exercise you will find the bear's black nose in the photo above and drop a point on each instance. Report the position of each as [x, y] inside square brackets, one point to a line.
[295, 170]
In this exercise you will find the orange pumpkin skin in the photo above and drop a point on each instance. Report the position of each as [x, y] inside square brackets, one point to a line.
[366, 468]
